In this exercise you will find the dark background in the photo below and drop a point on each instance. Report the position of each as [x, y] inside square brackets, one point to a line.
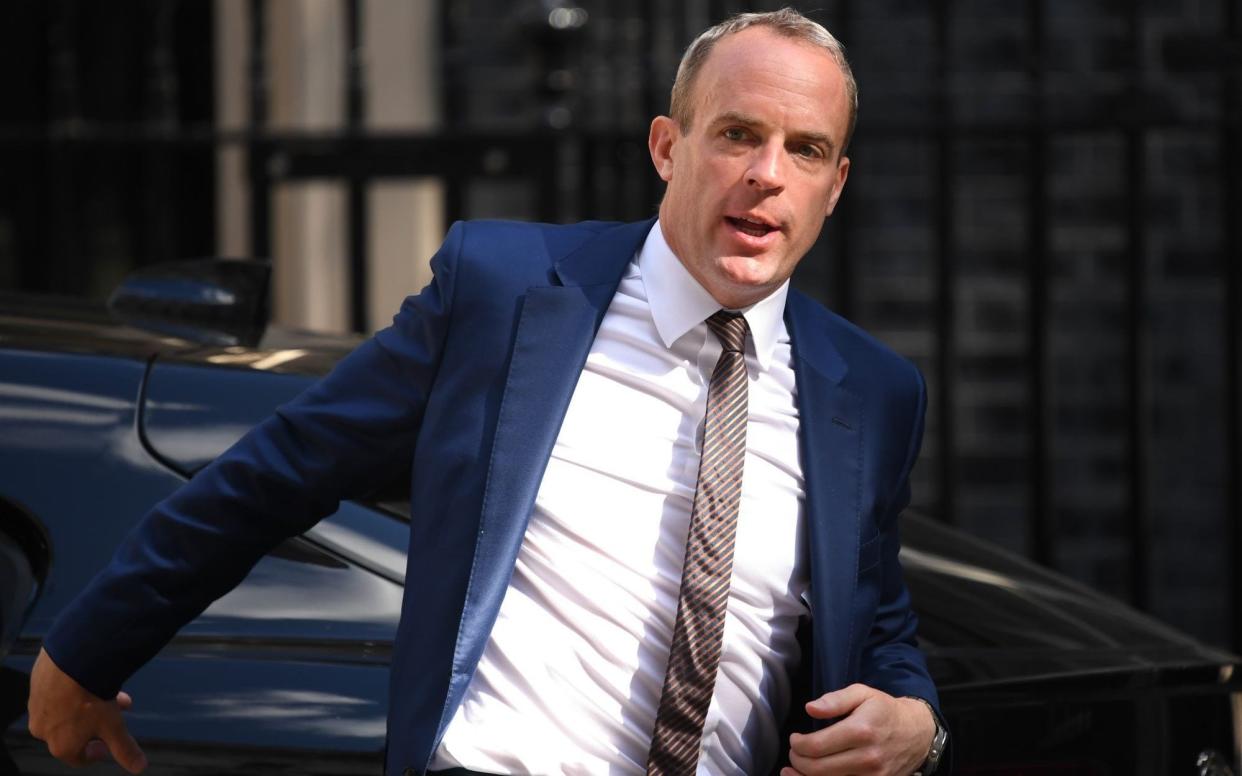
[1043, 212]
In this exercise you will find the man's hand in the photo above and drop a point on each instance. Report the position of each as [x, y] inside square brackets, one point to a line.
[77, 726]
[876, 734]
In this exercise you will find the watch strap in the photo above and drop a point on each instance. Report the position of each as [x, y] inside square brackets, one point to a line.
[940, 740]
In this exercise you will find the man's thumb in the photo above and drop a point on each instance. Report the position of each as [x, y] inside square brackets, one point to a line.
[122, 746]
[838, 703]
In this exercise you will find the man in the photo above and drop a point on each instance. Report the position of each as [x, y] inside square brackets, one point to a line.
[596, 582]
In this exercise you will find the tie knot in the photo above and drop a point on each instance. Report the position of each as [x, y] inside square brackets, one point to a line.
[730, 329]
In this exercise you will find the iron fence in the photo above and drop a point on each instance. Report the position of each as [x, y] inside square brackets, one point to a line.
[579, 165]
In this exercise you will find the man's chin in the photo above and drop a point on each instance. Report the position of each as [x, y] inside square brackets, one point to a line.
[743, 289]
[748, 271]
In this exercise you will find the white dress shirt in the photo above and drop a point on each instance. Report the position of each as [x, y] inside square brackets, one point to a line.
[570, 679]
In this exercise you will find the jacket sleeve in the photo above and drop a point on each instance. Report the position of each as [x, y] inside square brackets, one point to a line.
[891, 659]
[337, 440]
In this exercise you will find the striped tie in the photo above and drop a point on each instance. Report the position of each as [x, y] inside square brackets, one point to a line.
[697, 636]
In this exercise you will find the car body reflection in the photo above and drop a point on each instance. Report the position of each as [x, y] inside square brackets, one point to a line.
[288, 673]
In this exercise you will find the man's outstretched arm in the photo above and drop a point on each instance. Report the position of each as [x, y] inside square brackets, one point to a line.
[336, 440]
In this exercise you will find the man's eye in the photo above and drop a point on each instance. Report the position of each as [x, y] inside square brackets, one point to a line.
[808, 151]
[735, 133]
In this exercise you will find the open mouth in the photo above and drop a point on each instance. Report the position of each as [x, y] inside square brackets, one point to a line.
[752, 228]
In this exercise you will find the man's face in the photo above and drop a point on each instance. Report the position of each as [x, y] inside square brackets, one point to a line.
[751, 181]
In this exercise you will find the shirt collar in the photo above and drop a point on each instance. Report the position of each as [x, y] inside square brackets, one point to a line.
[678, 303]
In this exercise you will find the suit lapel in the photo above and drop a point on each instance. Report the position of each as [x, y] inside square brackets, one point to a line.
[831, 423]
[555, 331]
[556, 327]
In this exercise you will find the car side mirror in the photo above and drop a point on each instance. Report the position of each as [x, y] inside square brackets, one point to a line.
[220, 302]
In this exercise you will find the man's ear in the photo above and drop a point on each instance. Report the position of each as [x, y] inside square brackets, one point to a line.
[843, 172]
[664, 134]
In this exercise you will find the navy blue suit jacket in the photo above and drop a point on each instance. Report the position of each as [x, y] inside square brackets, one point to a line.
[474, 376]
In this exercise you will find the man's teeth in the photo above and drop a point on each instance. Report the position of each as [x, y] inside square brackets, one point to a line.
[752, 227]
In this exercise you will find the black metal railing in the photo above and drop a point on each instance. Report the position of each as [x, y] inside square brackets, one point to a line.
[587, 168]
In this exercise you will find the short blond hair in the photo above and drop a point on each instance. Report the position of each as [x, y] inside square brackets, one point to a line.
[786, 22]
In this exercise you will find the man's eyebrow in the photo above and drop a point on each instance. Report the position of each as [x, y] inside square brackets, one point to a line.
[817, 137]
[734, 117]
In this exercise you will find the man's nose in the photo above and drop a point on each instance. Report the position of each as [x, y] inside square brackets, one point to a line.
[767, 167]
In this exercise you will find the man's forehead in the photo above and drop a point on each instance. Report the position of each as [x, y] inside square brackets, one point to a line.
[748, 67]
[754, 52]
[769, 43]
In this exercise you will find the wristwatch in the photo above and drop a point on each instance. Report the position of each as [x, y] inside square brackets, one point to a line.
[939, 740]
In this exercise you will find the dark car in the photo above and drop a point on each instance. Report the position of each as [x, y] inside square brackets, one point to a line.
[288, 673]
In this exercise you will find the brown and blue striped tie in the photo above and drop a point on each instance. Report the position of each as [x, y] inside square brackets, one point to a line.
[698, 634]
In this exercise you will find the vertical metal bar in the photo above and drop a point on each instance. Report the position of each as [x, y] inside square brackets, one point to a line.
[258, 63]
[656, 99]
[450, 76]
[454, 199]
[355, 66]
[62, 40]
[651, 104]
[595, 145]
[946, 310]
[158, 159]
[355, 96]
[546, 187]
[62, 153]
[1140, 517]
[594, 56]
[451, 110]
[842, 264]
[588, 197]
[1231, 196]
[1043, 533]
[685, 25]
[161, 82]
[259, 151]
